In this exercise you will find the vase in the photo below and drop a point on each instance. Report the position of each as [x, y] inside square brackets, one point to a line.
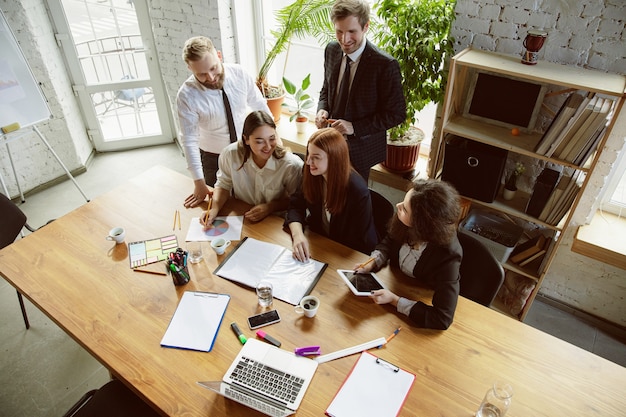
[275, 105]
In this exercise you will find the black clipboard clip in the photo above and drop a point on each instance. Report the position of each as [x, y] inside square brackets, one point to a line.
[387, 365]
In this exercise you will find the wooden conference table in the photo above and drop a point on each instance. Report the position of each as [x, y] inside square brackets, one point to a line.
[84, 283]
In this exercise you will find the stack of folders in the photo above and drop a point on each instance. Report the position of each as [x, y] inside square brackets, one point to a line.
[577, 128]
[561, 198]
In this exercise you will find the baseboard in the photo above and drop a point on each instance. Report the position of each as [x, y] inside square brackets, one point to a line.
[610, 328]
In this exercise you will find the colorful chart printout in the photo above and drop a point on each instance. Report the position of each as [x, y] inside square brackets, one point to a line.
[150, 251]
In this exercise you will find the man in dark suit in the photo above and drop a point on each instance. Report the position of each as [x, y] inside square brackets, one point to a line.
[373, 101]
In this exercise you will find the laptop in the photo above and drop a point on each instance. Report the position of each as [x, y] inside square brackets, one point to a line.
[266, 378]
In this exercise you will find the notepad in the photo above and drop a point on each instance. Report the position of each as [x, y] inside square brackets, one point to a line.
[196, 321]
[373, 388]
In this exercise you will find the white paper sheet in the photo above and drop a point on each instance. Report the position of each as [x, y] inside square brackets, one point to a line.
[255, 261]
[196, 321]
[227, 227]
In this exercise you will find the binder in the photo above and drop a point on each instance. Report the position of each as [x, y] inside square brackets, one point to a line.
[374, 388]
[196, 321]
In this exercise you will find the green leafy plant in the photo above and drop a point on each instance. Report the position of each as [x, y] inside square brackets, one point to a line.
[417, 34]
[301, 98]
[300, 19]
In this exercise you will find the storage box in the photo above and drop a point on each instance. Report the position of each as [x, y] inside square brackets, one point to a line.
[475, 169]
[499, 235]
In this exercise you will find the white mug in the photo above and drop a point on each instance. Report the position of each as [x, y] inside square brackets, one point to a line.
[219, 245]
[117, 234]
[308, 306]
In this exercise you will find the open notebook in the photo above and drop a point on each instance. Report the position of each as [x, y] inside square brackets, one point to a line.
[253, 261]
[266, 378]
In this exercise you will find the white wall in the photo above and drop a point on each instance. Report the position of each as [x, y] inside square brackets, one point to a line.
[585, 34]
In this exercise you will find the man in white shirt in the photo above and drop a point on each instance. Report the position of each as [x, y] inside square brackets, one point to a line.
[202, 114]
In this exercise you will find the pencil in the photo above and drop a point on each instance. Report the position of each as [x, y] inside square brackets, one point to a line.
[175, 215]
[206, 217]
[178, 214]
[150, 272]
[364, 264]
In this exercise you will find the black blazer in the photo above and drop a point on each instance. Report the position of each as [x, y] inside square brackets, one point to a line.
[354, 227]
[376, 102]
[438, 268]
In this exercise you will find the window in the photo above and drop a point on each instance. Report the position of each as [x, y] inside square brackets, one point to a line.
[613, 197]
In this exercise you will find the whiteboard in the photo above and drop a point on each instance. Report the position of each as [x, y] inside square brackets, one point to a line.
[21, 99]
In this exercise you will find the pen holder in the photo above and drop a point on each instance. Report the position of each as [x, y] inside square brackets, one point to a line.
[177, 266]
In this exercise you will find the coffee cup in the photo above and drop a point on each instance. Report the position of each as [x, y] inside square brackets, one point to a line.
[308, 306]
[117, 234]
[219, 245]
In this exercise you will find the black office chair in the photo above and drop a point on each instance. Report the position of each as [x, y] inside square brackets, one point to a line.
[482, 274]
[12, 221]
[382, 210]
[112, 399]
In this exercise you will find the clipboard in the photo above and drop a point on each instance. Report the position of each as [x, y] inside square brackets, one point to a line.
[372, 378]
[196, 321]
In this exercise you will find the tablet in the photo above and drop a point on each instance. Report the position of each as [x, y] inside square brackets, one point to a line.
[360, 284]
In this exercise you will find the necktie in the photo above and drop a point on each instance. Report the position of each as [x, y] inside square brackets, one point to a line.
[229, 116]
[344, 89]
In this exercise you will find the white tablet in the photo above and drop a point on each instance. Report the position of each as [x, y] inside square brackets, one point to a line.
[360, 284]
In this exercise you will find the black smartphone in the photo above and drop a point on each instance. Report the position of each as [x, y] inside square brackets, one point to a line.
[263, 319]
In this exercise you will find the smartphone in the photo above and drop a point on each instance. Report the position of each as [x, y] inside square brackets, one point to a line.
[263, 319]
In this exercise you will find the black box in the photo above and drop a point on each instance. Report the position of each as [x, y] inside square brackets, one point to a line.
[475, 169]
[546, 181]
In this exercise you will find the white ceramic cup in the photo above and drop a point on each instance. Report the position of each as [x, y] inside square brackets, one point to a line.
[117, 234]
[219, 245]
[308, 306]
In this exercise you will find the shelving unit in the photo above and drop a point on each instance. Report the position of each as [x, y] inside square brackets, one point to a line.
[559, 79]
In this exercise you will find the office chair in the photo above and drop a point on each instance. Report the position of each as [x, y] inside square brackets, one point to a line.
[12, 221]
[481, 273]
[382, 211]
[112, 399]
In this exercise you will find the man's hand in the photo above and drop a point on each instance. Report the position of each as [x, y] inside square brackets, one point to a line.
[343, 126]
[321, 119]
[200, 192]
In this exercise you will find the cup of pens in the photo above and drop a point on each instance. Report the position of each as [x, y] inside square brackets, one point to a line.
[177, 266]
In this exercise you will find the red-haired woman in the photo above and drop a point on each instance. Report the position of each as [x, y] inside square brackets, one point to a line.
[335, 195]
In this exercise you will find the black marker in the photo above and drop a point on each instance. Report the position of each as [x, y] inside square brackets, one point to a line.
[240, 335]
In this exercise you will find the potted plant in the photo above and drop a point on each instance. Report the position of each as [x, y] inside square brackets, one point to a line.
[302, 101]
[510, 186]
[417, 34]
[300, 18]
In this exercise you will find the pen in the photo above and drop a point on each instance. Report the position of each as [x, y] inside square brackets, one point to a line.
[240, 335]
[268, 338]
[364, 264]
[392, 335]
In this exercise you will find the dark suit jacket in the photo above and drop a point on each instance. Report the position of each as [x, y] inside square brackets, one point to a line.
[354, 227]
[438, 268]
[376, 102]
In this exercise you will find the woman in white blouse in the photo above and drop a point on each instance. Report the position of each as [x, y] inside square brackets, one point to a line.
[257, 170]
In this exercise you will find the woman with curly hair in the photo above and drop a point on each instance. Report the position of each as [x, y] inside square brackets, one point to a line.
[422, 241]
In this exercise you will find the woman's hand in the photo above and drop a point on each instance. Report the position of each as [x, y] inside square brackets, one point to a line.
[258, 212]
[207, 222]
[384, 297]
[301, 249]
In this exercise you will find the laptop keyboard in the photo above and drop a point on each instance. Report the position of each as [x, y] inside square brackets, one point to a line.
[263, 407]
[270, 381]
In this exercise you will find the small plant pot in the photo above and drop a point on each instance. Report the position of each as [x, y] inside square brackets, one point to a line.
[508, 194]
[275, 105]
[301, 124]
